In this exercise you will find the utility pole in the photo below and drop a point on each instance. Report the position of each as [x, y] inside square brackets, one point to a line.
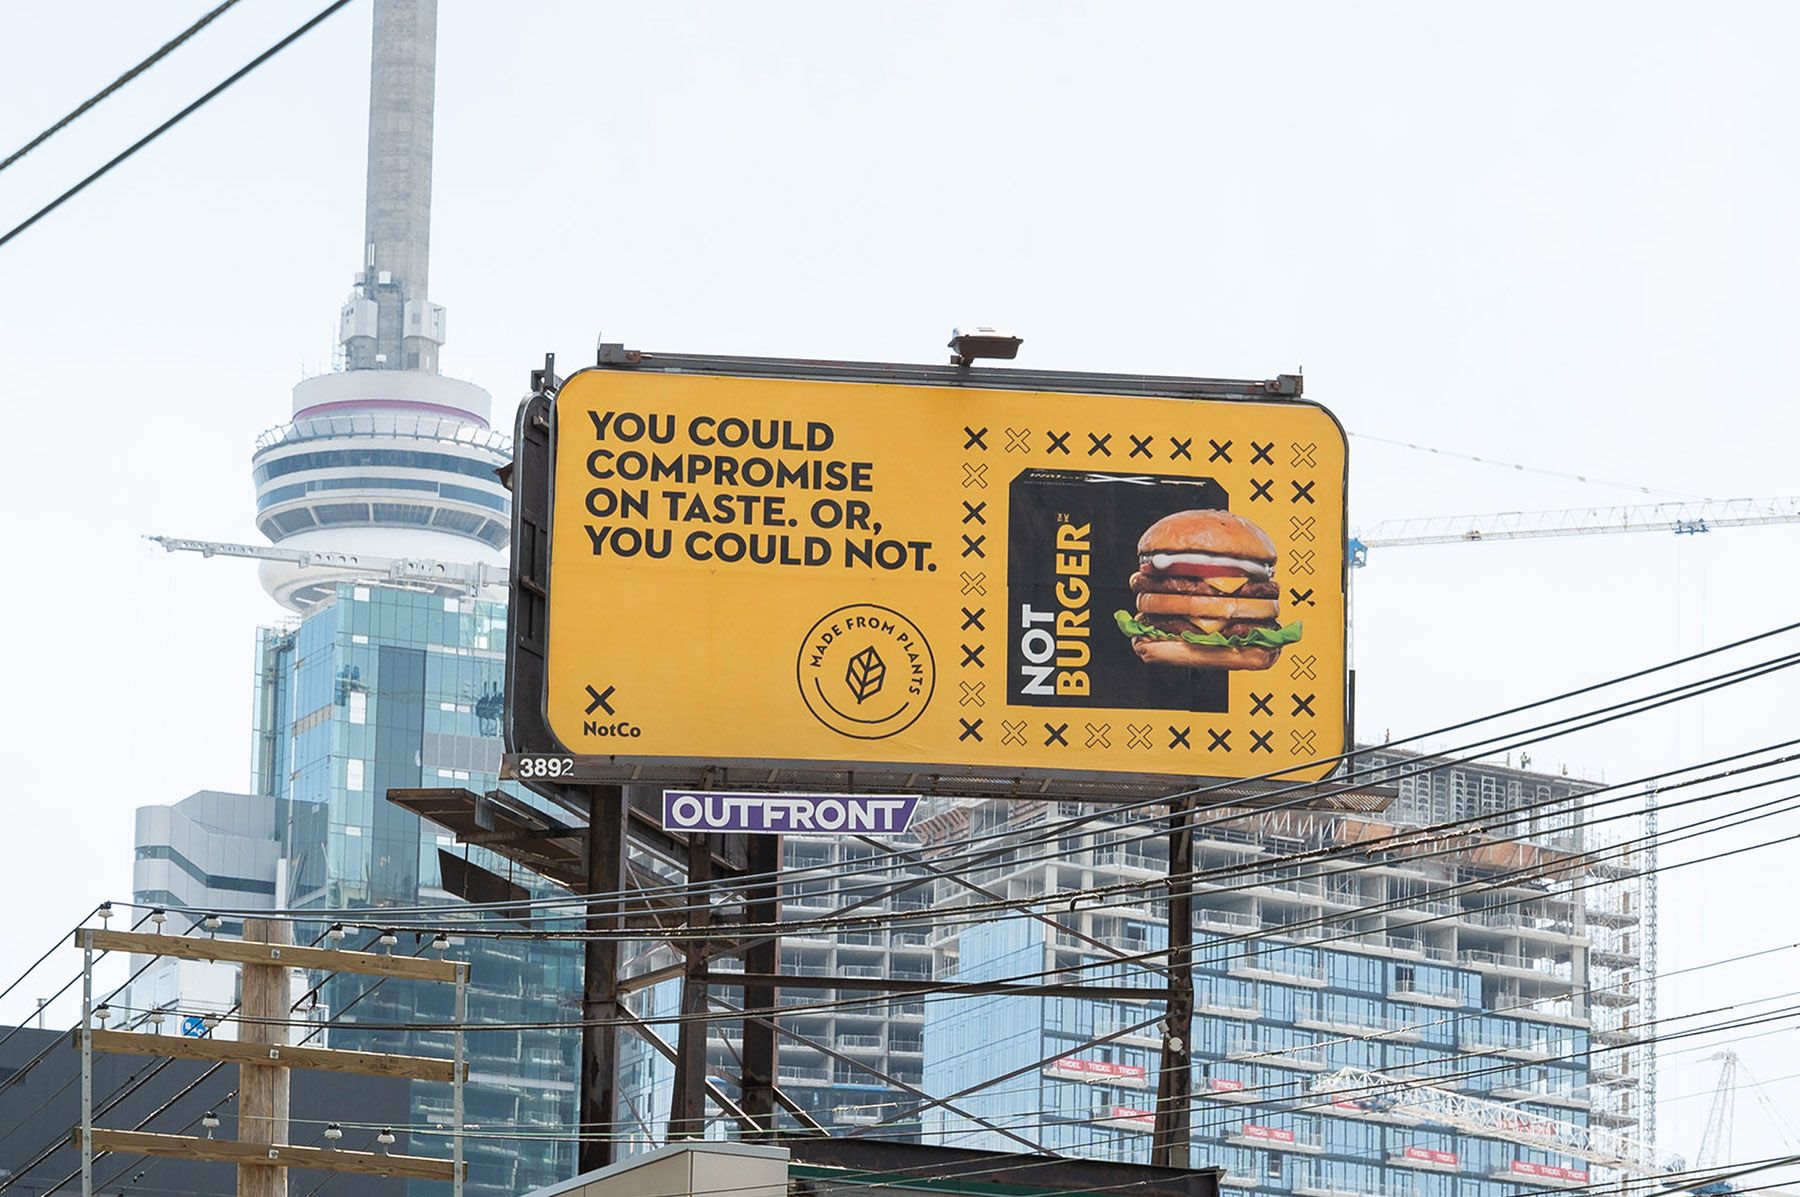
[262, 1152]
[263, 1088]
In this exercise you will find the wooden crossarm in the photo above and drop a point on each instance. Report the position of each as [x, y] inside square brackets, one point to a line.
[189, 1147]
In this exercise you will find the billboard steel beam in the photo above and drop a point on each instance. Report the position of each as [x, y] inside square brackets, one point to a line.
[1171, 1128]
[600, 1007]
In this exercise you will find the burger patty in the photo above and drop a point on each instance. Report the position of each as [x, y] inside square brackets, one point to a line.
[1236, 627]
[1154, 583]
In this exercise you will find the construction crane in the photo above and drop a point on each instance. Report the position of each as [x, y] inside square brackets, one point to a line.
[1715, 1140]
[1689, 518]
[1378, 1092]
[1721, 1116]
[460, 577]
[1683, 519]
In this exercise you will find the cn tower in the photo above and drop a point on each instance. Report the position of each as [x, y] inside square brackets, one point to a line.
[385, 456]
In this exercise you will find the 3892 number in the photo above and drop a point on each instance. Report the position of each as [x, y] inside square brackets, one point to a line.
[545, 766]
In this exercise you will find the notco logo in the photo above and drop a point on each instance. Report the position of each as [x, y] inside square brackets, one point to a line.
[621, 728]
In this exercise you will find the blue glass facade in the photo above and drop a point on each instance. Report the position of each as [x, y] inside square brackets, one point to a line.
[1270, 1021]
[382, 688]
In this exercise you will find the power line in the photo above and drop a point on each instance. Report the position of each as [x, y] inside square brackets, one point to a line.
[1764, 668]
[955, 988]
[1526, 469]
[951, 989]
[138, 1080]
[1658, 1038]
[1402, 837]
[1467, 1053]
[232, 1094]
[151, 136]
[1301, 792]
[161, 52]
[49, 951]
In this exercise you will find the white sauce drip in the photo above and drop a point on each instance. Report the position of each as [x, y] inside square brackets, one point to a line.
[1256, 569]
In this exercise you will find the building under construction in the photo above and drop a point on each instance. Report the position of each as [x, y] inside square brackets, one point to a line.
[1446, 1015]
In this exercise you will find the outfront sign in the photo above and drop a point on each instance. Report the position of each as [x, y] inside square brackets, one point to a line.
[953, 580]
[782, 814]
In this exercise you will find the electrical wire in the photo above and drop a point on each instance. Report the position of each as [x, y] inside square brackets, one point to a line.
[778, 1011]
[137, 1080]
[954, 989]
[151, 136]
[134, 1080]
[50, 951]
[157, 56]
[25, 1069]
[1527, 469]
[1432, 764]
[1303, 794]
[1707, 1030]
[1090, 897]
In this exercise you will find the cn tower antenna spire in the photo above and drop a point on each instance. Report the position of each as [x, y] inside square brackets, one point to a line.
[390, 322]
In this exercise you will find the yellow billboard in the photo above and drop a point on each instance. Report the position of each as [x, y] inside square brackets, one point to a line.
[994, 582]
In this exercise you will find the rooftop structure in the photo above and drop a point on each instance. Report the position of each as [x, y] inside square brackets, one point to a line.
[210, 851]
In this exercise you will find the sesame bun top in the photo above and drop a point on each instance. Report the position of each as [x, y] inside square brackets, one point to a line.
[1207, 531]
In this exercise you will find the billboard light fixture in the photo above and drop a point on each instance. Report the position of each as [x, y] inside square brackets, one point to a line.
[979, 341]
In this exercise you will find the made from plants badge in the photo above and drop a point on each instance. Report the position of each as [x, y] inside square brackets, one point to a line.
[865, 671]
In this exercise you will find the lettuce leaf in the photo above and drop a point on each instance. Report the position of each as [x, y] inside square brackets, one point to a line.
[1258, 638]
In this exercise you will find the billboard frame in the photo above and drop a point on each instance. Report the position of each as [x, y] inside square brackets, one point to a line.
[535, 754]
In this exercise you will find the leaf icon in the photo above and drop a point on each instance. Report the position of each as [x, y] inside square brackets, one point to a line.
[865, 673]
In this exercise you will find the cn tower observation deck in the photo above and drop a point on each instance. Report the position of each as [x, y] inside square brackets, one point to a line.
[393, 463]
[385, 456]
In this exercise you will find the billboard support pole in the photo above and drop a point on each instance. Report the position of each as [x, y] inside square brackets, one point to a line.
[1175, 1080]
[687, 1105]
[600, 979]
[762, 906]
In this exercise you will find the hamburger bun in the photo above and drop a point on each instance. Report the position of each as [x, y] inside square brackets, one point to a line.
[1207, 531]
[1208, 606]
[1202, 656]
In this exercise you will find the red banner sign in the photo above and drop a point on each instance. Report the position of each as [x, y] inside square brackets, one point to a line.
[1075, 1069]
[1429, 1156]
[1128, 1118]
[1554, 1172]
[1270, 1134]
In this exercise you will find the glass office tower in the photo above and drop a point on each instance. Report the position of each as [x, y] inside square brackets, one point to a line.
[376, 688]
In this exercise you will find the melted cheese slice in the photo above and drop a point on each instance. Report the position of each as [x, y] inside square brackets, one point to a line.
[1224, 584]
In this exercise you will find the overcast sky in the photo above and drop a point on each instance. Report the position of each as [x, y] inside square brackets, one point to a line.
[1549, 234]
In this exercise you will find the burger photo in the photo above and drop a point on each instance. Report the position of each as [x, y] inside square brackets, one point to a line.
[1206, 594]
